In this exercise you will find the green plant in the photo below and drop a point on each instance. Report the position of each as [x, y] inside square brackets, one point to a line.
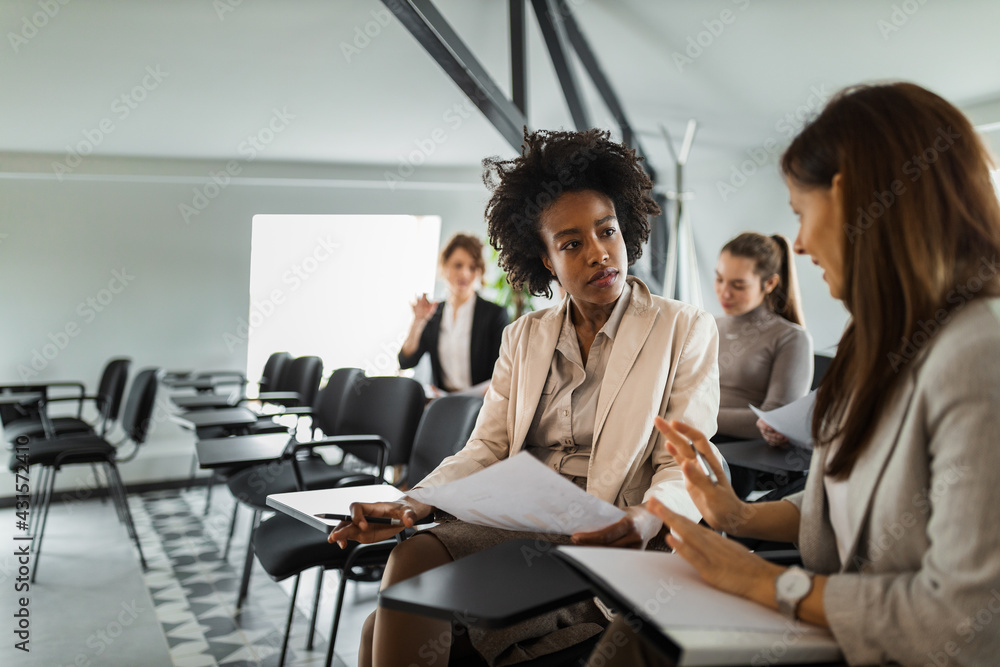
[517, 302]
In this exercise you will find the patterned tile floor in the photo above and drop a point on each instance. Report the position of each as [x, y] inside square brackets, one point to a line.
[194, 589]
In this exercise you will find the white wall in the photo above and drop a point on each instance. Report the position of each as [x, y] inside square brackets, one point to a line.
[186, 284]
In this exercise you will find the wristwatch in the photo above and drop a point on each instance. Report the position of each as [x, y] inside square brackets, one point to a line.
[790, 588]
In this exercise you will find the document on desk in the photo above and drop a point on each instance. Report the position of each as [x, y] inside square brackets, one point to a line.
[794, 421]
[708, 626]
[521, 493]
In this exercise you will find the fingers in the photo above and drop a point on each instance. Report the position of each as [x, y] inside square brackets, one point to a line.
[681, 443]
[607, 536]
[358, 516]
[674, 521]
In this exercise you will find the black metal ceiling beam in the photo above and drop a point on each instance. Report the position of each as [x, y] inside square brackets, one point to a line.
[443, 44]
[550, 20]
[601, 82]
[518, 56]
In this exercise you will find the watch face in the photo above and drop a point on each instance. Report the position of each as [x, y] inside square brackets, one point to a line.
[793, 584]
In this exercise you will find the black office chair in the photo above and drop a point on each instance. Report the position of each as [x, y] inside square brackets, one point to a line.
[108, 400]
[94, 449]
[273, 368]
[287, 547]
[377, 423]
[294, 393]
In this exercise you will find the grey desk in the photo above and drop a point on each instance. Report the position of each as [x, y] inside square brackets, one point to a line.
[198, 384]
[509, 583]
[204, 401]
[226, 418]
[20, 398]
[261, 448]
[758, 455]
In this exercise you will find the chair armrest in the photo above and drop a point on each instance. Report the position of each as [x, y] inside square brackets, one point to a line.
[232, 377]
[62, 399]
[43, 405]
[345, 442]
[360, 480]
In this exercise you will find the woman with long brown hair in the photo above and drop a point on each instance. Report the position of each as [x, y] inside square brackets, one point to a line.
[897, 524]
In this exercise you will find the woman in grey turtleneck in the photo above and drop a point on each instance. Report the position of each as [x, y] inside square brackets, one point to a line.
[765, 353]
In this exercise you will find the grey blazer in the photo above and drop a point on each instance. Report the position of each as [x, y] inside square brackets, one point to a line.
[921, 584]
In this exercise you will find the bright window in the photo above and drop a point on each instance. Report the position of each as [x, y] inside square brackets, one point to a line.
[337, 286]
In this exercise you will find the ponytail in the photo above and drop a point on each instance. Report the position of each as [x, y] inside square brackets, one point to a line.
[785, 299]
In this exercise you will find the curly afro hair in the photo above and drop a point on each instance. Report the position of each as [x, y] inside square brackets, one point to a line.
[550, 164]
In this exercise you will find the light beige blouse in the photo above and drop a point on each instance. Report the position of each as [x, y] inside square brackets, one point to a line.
[562, 431]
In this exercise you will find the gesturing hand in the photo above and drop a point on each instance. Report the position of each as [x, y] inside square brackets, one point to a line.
[718, 503]
[423, 309]
[723, 563]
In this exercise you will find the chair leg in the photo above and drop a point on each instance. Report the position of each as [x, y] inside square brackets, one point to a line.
[130, 524]
[194, 470]
[232, 529]
[97, 482]
[248, 563]
[46, 501]
[35, 506]
[208, 492]
[341, 589]
[288, 623]
[113, 492]
[315, 610]
[116, 495]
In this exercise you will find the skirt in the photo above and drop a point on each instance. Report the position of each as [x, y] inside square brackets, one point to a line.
[535, 637]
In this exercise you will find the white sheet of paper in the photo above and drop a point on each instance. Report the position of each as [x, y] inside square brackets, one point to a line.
[794, 421]
[711, 627]
[521, 493]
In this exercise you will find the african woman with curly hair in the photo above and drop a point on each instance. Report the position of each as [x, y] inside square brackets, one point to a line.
[576, 385]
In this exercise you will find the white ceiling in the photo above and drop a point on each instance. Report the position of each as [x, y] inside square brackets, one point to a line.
[226, 73]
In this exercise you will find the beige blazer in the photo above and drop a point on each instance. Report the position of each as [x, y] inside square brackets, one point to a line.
[664, 362]
[921, 585]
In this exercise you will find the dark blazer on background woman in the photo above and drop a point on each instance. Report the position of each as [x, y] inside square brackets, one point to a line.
[488, 322]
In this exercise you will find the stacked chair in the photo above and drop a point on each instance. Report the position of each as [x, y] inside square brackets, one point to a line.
[90, 448]
[287, 547]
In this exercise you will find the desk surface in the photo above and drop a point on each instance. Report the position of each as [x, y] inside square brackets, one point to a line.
[225, 417]
[509, 583]
[261, 448]
[20, 398]
[204, 401]
[201, 384]
[758, 455]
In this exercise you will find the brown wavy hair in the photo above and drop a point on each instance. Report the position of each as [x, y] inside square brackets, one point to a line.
[550, 164]
[921, 218]
[772, 255]
[468, 243]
